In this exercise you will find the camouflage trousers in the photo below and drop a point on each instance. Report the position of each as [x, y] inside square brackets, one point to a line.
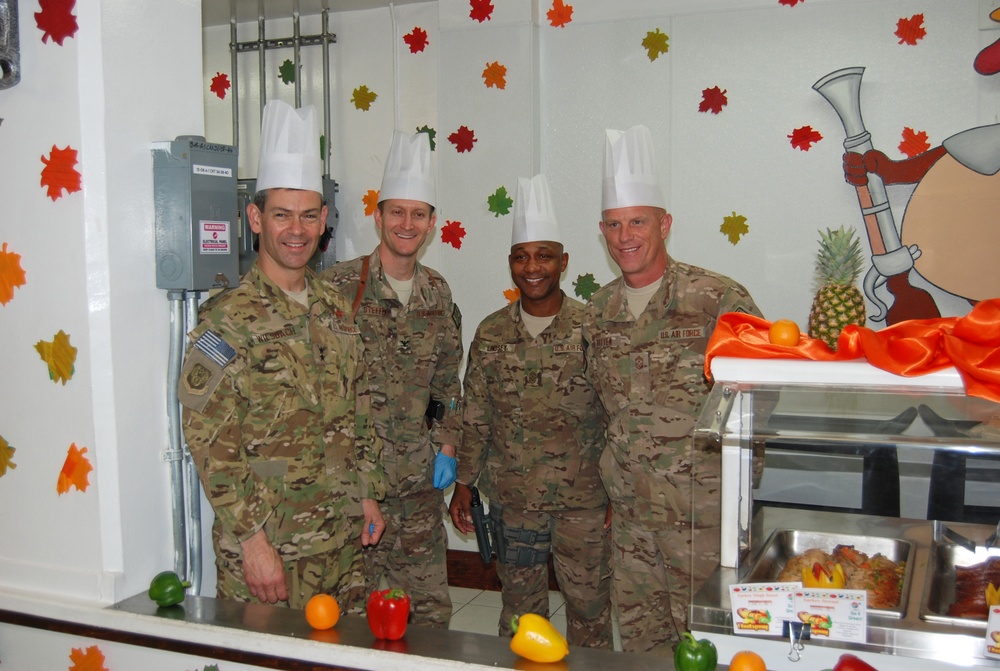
[340, 574]
[654, 575]
[412, 555]
[580, 550]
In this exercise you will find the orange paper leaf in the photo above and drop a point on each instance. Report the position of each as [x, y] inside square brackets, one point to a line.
[74, 471]
[914, 143]
[59, 355]
[6, 457]
[90, 660]
[560, 14]
[370, 200]
[11, 274]
[495, 75]
[59, 173]
[511, 294]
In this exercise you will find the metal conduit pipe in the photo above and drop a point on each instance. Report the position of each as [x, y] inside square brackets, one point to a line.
[261, 52]
[296, 37]
[233, 53]
[326, 93]
[192, 485]
[174, 454]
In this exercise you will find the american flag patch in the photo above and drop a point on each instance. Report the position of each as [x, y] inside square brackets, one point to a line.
[215, 348]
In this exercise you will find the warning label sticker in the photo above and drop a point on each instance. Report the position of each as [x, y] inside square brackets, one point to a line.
[215, 238]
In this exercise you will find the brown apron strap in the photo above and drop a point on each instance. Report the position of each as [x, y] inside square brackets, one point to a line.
[361, 288]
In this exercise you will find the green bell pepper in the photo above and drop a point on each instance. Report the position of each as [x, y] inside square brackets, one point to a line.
[692, 655]
[167, 589]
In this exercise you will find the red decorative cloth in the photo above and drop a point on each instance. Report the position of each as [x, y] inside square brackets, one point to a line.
[916, 347]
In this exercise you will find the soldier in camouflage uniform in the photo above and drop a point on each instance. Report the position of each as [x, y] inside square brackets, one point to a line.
[534, 432]
[277, 414]
[646, 334]
[413, 344]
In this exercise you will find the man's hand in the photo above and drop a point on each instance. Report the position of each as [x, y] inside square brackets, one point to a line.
[374, 526]
[263, 569]
[461, 508]
[445, 467]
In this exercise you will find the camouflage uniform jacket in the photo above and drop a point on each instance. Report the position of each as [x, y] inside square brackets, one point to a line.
[534, 428]
[277, 418]
[413, 352]
[650, 376]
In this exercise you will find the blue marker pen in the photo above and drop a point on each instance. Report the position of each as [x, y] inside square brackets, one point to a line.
[371, 528]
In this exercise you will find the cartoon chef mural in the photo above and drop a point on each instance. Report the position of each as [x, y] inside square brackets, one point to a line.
[950, 231]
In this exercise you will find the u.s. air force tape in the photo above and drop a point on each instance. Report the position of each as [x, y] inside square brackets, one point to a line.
[215, 348]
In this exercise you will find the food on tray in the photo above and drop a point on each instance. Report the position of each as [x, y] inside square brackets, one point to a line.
[971, 583]
[824, 577]
[881, 577]
[992, 595]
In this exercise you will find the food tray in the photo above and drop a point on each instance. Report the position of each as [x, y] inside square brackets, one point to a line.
[939, 588]
[783, 544]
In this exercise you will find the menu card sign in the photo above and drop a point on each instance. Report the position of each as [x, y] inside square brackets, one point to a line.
[833, 614]
[760, 608]
[993, 633]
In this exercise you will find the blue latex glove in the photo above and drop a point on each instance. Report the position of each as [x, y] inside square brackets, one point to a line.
[445, 470]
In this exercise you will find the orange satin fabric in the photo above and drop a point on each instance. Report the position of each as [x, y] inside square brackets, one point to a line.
[916, 347]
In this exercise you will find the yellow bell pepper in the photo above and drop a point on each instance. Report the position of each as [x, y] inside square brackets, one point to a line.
[820, 576]
[992, 595]
[536, 639]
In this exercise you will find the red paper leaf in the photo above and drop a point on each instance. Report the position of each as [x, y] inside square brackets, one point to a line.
[713, 100]
[914, 143]
[11, 274]
[59, 173]
[495, 75]
[790, 3]
[560, 14]
[911, 30]
[452, 234]
[417, 40]
[74, 474]
[804, 138]
[482, 10]
[463, 139]
[56, 20]
[511, 294]
[220, 84]
[370, 200]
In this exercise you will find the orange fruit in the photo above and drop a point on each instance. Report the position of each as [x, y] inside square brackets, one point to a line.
[783, 332]
[322, 611]
[747, 660]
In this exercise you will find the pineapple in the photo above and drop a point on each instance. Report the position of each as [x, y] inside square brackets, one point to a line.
[837, 302]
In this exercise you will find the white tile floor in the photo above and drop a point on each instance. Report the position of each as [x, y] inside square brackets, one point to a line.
[478, 612]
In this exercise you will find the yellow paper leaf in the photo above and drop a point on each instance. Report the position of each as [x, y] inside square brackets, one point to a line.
[6, 457]
[734, 227]
[59, 355]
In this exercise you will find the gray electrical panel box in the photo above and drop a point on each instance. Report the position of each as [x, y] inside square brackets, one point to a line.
[196, 209]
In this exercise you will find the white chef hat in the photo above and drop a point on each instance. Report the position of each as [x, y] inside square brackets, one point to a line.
[289, 149]
[630, 178]
[534, 216]
[409, 174]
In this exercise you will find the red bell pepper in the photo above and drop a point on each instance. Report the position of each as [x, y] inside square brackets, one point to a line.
[388, 611]
[848, 662]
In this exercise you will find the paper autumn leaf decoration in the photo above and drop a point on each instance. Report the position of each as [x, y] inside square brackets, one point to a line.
[713, 100]
[286, 72]
[220, 85]
[560, 14]
[370, 200]
[911, 30]
[6, 457]
[500, 202]
[59, 355]
[913, 143]
[495, 75]
[213, 667]
[511, 294]
[584, 286]
[11, 274]
[56, 20]
[431, 134]
[90, 660]
[74, 473]
[655, 43]
[452, 234]
[463, 139]
[734, 227]
[416, 39]
[804, 138]
[790, 3]
[482, 10]
[59, 173]
[363, 98]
